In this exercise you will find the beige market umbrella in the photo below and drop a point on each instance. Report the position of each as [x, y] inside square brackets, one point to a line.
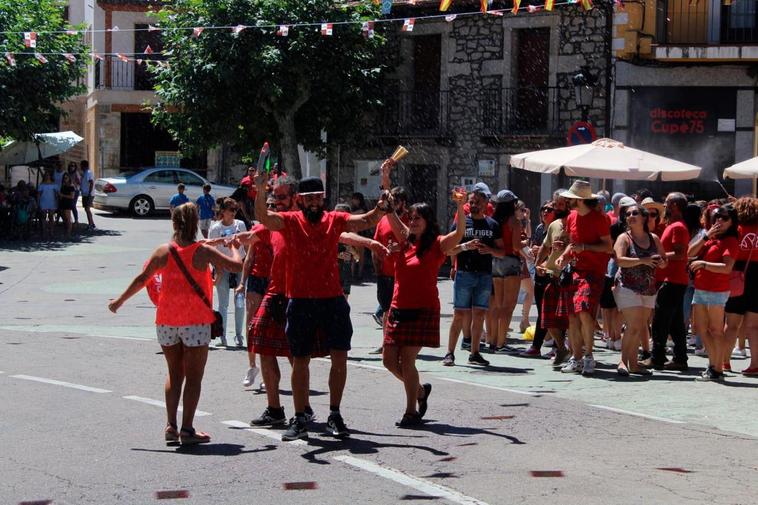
[605, 159]
[747, 169]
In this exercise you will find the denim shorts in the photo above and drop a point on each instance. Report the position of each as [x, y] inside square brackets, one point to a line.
[508, 266]
[472, 290]
[702, 297]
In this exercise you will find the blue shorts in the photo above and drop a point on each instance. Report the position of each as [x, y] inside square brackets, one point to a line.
[702, 297]
[257, 284]
[309, 317]
[472, 290]
[509, 266]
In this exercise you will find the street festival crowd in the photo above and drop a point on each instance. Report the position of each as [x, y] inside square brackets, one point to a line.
[660, 275]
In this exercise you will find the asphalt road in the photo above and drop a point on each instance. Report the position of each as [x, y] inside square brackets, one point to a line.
[81, 419]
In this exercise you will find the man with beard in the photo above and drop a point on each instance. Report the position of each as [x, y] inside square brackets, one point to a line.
[668, 318]
[312, 284]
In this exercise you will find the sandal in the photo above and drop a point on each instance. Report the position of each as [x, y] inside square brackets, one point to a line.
[422, 402]
[188, 436]
[409, 420]
[171, 434]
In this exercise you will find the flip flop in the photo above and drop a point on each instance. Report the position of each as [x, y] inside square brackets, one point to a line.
[188, 436]
[171, 434]
[422, 402]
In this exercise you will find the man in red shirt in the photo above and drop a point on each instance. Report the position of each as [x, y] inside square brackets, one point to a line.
[385, 267]
[589, 248]
[312, 284]
[668, 318]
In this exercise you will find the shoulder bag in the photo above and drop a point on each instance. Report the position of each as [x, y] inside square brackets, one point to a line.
[217, 327]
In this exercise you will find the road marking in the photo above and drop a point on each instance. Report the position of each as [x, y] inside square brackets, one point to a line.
[424, 486]
[359, 365]
[487, 386]
[637, 414]
[276, 435]
[158, 403]
[60, 383]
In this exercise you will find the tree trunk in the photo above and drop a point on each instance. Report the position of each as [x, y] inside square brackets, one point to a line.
[288, 143]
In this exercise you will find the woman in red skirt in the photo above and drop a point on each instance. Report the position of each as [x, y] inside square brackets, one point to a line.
[414, 318]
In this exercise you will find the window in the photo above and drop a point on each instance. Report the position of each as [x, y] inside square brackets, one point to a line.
[161, 177]
[189, 178]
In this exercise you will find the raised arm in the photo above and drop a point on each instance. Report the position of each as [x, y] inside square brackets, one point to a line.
[271, 220]
[452, 239]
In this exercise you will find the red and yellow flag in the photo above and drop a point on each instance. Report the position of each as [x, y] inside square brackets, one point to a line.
[445, 5]
[549, 5]
[483, 4]
[516, 6]
[586, 4]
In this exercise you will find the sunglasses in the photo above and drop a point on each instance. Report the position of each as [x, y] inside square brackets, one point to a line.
[723, 217]
[547, 209]
[652, 214]
[633, 213]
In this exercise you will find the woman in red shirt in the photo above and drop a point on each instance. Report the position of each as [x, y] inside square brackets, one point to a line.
[414, 318]
[183, 319]
[716, 253]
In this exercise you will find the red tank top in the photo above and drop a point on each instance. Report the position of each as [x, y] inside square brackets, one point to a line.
[179, 304]
[507, 234]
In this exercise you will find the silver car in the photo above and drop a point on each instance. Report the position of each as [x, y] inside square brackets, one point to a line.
[150, 189]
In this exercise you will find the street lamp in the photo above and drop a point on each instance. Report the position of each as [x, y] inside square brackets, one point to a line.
[584, 90]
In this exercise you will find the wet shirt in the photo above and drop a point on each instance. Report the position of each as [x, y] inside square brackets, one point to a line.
[487, 230]
[416, 278]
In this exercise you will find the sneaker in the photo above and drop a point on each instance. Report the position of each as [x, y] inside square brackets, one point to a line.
[238, 340]
[409, 420]
[297, 429]
[466, 344]
[739, 353]
[572, 366]
[560, 357]
[476, 359]
[507, 349]
[700, 351]
[532, 352]
[377, 320]
[617, 345]
[691, 341]
[335, 425]
[709, 375]
[491, 348]
[309, 414]
[449, 359]
[249, 379]
[588, 366]
[270, 417]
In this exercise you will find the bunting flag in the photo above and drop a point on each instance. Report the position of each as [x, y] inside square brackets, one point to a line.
[114, 29]
[483, 6]
[586, 4]
[496, 13]
[237, 29]
[122, 57]
[532, 8]
[30, 39]
[70, 57]
[71, 32]
[549, 5]
[152, 28]
[516, 6]
[148, 50]
[386, 7]
[450, 18]
[327, 29]
[368, 29]
[40, 58]
[139, 61]
[196, 31]
[11, 59]
[445, 5]
[283, 31]
[408, 24]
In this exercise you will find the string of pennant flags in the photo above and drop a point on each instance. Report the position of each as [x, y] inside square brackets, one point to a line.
[326, 29]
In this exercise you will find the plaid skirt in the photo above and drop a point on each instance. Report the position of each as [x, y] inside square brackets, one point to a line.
[586, 289]
[419, 328]
[266, 334]
[554, 302]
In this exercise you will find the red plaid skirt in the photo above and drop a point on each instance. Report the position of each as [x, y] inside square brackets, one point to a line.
[586, 290]
[554, 300]
[266, 334]
[419, 329]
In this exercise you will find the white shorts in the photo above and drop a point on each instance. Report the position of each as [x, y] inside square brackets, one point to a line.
[627, 299]
[204, 224]
[196, 335]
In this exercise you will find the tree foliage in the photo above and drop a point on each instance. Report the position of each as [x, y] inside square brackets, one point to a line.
[242, 88]
[31, 92]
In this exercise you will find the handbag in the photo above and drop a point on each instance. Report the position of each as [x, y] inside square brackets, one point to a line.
[217, 327]
[737, 279]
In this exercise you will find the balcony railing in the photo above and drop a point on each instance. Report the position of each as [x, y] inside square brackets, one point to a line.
[124, 75]
[707, 22]
[520, 111]
[415, 114]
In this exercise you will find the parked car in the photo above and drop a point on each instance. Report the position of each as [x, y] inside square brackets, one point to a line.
[150, 189]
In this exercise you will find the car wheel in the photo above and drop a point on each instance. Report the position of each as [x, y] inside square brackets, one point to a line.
[141, 206]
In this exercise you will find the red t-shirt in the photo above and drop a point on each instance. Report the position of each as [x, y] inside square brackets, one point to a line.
[748, 242]
[383, 235]
[588, 229]
[416, 279]
[507, 236]
[278, 271]
[676, 270]
[264, 254]
[313, 272]
[715, 250]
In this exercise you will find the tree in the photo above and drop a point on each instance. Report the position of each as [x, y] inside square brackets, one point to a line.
[30, 91]
[222, 87]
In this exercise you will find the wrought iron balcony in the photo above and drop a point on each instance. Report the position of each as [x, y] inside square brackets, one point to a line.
[112, 73]
[707, 22]
[520, 111]
[415, 114]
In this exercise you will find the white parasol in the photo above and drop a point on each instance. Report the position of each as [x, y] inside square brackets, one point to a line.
[43, 146]
[747, 169]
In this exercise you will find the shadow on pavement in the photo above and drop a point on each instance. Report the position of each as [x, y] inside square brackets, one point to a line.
[461, 431]
[37, 244]
[209, 449]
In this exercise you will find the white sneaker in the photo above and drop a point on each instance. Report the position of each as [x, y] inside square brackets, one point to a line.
[617, 345]
[700, 351]
[249, 379]
[238, 340]
[572, 366]
[739, 353]
[691, 341]
[588, 366]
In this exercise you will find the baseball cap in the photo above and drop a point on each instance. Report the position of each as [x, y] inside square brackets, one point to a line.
[481, 187]
[505, 196]
[627, 201]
